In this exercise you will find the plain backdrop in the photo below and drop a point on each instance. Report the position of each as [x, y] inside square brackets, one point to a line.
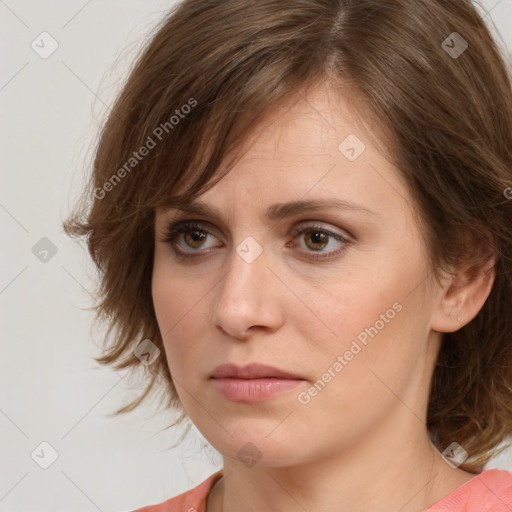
[52, 391]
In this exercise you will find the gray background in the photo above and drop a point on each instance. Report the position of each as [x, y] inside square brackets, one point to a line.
[51, 389]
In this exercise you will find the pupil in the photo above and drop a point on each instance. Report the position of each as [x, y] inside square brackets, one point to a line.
[195, 237]
[318, 237]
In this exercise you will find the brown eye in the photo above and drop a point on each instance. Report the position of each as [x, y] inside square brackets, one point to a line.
[316, 239]
[187, 237]
[194, 238]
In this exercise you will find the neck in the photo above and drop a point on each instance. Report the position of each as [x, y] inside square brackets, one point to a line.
[399, 469]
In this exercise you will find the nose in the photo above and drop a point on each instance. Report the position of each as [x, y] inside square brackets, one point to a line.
[248, 298]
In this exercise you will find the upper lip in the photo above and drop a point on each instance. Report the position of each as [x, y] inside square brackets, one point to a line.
[250, 371]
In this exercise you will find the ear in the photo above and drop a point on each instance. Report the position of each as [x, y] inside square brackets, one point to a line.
[463, 294]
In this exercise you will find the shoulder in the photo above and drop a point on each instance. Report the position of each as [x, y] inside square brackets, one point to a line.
[193, 500]
[489, 491]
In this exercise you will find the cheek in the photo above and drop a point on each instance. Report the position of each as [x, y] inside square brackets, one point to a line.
[176, 307]
[357, 375]
[377, 325]
[366, 334]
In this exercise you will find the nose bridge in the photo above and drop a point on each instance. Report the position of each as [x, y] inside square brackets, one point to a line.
[245, 271]
[244, 297]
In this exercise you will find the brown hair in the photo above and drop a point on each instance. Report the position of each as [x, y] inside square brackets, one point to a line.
[231, 62]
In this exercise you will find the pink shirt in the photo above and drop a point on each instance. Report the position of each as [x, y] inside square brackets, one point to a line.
[489, 491]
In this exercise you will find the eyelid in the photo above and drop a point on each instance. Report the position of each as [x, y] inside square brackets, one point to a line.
[176, 227]
[183, 216]
[314, 224]
[296, 229]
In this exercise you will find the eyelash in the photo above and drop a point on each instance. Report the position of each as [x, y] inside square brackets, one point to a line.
[174, 230]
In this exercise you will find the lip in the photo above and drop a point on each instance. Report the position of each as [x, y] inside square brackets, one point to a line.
[253, 383]
[251, 371]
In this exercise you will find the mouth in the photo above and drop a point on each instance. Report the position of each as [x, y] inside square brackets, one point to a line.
[251, 371]
[252, 383]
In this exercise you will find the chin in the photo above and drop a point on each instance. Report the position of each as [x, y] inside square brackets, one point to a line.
[251, 444]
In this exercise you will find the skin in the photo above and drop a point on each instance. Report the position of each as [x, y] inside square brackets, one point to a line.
[361, 443]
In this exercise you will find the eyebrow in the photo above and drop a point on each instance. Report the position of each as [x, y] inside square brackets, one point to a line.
[278, 211]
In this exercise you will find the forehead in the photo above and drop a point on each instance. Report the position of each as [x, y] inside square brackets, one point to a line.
[301, 123]
[313, 148]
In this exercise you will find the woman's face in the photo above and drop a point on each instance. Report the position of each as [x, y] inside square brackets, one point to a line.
[338, 296]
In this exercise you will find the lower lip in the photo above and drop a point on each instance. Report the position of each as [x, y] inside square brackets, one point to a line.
[253, 390]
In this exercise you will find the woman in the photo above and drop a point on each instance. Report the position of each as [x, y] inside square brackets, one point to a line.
[301, 213]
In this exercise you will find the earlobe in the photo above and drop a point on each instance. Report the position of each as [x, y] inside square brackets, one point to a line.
[462, 297]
